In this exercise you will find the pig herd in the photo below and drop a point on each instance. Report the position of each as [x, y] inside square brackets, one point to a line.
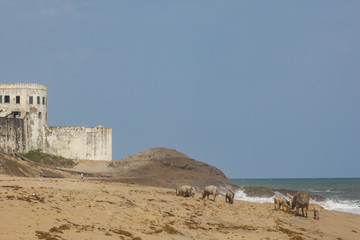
[298, 200]
[188, 191]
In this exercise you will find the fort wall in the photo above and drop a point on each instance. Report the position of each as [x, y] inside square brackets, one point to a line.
[79, 142]
[99, 143]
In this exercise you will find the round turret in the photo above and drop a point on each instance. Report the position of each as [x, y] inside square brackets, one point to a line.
[26, 102]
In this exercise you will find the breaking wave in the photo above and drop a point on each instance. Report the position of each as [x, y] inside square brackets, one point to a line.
[350, 206]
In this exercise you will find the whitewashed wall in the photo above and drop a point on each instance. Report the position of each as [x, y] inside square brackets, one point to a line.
[79, 142]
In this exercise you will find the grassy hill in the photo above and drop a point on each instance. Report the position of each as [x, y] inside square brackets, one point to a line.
[50, 160]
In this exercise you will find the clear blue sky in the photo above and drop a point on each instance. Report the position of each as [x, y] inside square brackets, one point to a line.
[256, 88]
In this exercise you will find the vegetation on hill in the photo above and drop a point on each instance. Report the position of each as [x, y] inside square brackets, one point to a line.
[48, 159]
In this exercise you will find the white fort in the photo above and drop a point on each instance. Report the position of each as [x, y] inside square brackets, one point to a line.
[23, 127]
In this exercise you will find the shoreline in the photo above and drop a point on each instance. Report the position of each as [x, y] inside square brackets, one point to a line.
[338, 194]
[322, 204]
[68, 208]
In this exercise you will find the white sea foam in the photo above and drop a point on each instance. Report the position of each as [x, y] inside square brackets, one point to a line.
[326, 191]
[241, 195]
[329, 204]
[342, 206]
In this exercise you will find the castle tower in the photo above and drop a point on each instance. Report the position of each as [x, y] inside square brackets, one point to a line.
[23, 106]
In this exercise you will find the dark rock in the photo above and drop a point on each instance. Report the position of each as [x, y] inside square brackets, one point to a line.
[258, 191]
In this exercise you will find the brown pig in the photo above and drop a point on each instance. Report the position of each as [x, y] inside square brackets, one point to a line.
[280, 201]
[229, 197]
[185, 191]
[317, 213]
[210, 190]
[300, 200]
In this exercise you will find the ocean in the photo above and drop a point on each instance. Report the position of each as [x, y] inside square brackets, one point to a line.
[341, 194]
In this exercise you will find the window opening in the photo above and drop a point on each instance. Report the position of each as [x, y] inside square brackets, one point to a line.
[43, 100]
[0, 98]
[16, 114]
[31, 100]
[38, 100]
[7, 99]
[17, 99]
[40, 115]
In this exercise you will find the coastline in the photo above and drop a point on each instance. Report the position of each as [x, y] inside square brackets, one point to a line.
[40, 208]
[340, 194]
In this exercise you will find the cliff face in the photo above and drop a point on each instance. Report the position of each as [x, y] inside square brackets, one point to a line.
[166, 168]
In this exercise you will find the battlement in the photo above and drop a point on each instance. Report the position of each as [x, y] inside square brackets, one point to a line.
[23, 85]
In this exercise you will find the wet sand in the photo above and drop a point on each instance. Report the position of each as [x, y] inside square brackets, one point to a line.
[42, 208]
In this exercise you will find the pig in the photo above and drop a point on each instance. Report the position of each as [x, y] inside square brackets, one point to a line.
[300, 200]
[210, 190]
[185, 191]
[229, 197]
[280, 201]
[317, 213]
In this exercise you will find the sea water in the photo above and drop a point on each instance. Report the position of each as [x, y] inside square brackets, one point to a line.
[341, 194]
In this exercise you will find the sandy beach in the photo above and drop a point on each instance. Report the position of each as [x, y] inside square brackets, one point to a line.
[44, 208]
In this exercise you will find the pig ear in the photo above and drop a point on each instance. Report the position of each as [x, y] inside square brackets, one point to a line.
[289, 196]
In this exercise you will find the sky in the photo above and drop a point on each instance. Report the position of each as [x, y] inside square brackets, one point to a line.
[258, 89]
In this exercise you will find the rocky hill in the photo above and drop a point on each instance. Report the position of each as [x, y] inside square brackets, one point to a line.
[166, 168]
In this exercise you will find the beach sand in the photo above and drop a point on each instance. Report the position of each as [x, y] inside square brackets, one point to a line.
[43, 208]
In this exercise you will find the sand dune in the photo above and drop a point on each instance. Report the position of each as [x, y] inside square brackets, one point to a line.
[36, 208]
